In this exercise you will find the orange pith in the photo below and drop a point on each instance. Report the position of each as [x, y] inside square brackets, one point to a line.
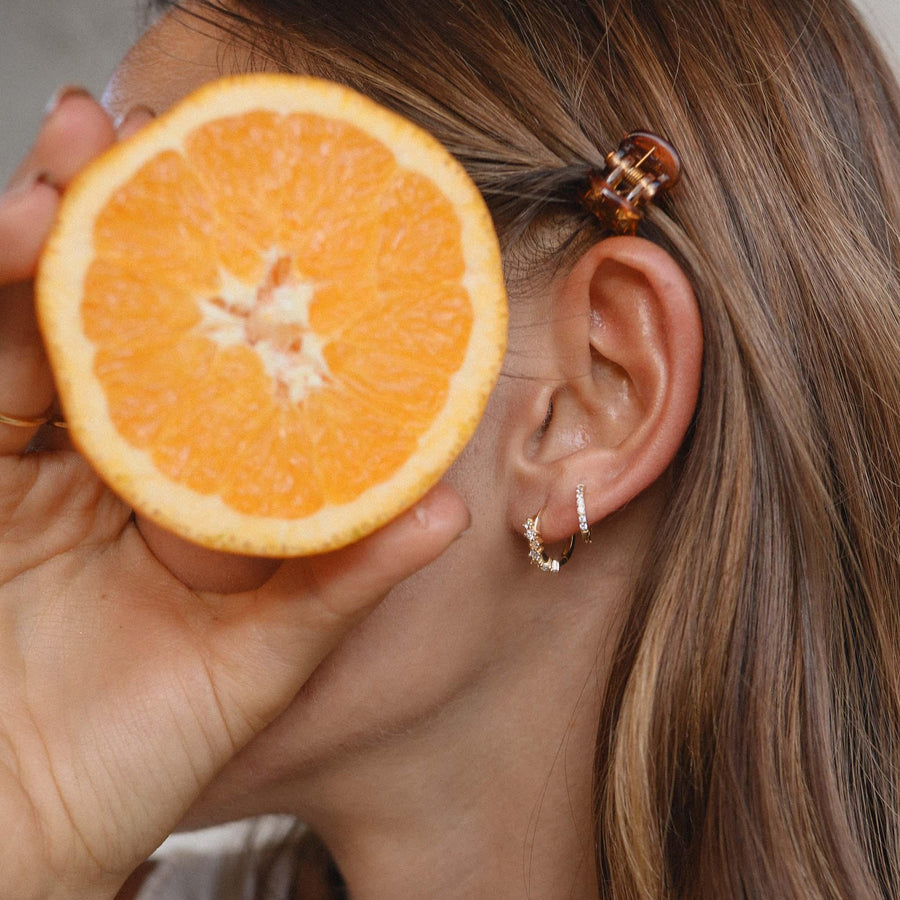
[275, 316]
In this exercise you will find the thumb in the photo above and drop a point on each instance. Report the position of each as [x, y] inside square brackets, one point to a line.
[271, 639]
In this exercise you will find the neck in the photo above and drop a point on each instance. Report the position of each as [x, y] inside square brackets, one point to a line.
[472, 803]
[483, 787]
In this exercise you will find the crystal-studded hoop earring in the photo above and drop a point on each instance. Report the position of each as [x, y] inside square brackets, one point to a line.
[583, 525]
[537, 554]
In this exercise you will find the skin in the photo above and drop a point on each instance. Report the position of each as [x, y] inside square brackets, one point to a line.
[427, 702]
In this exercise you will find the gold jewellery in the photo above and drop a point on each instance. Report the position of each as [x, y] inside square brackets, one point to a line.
[16, 422]
[536, 552]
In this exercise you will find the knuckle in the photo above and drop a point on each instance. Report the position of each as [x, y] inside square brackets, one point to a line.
[334, 603]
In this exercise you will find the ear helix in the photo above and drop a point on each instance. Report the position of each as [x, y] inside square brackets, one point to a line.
[536, 552]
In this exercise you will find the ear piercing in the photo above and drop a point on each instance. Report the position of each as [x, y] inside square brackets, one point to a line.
[536, 552]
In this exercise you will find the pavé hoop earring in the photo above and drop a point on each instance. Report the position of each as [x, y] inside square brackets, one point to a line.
[536, 552]
[583, 525]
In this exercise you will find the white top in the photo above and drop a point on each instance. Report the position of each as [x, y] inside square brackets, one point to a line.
[218, 863]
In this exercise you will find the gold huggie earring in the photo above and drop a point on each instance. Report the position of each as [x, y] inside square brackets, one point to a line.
[537, 554]
[583, 526]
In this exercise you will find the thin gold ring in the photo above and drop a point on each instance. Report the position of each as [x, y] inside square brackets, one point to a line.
[17, 422]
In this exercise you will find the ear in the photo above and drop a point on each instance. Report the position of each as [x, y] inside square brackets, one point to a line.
[624, 348]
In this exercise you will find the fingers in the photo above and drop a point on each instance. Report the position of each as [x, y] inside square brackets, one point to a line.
[202, 569]
[310, 605]
[26, 386]
[75, 130]
[26, 214]
[345, 584]
[73, 133]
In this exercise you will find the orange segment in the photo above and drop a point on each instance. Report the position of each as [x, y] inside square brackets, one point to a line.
[122, 306]
[288, 487]
[420, 236]
[332, 229]
[417, 327]
[159, 225]
[390, 383]
[275, 315]
[247, 210]
[374, 444]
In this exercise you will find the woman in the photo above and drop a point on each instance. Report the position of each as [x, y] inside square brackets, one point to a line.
[704, 703]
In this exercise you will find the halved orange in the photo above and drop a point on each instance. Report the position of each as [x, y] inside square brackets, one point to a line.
[274, 315]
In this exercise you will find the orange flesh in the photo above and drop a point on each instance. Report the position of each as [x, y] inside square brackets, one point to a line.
[247, 274]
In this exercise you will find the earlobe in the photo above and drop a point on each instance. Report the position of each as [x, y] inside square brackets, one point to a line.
[626, 348]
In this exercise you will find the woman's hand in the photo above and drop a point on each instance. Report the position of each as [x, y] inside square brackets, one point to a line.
[123, 690]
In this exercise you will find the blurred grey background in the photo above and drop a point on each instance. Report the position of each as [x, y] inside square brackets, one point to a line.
[46, 43]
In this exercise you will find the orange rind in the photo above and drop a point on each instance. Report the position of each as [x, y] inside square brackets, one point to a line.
[274, 315]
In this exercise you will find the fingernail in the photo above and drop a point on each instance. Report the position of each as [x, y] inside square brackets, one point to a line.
[64, 93]
[141, 111]
[434, 505]
[423, 515]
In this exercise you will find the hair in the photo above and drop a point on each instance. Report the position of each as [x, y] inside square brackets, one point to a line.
[749, 742]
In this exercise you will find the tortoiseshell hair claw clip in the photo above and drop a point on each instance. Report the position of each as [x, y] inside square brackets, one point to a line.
[644, 166]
